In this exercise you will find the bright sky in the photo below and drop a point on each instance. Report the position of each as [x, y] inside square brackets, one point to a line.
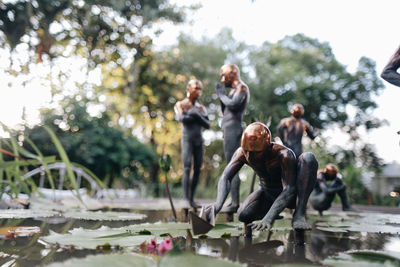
[354, 28]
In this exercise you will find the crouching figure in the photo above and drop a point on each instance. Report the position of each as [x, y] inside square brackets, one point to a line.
[276, 165]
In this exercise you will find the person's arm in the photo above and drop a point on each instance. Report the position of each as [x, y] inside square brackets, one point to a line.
[224, 183]
[389, 72]
[201, 117]
[181, 115]
[281, 131]
[336, 185]
[289, 169]
[235, 103]
[310, 131]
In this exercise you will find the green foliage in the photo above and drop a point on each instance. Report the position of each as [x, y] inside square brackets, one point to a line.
[299, 69]
[93, 143]
[12, 180]
[102, 31]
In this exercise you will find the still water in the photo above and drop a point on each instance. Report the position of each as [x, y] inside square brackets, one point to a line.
[283, 246]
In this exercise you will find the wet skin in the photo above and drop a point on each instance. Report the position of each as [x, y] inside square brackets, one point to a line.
[233, 107]
[291, 131]
[389, 72]
[193, 117]
[274, 164]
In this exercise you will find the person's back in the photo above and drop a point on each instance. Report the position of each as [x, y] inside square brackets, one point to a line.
[291, 129]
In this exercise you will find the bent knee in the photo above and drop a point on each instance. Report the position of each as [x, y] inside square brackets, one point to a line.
[244, 216]
[309, 159]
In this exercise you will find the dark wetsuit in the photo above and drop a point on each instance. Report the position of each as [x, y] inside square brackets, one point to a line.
[389, 72]
[323, 194]
[233, 107]
[291, 133]
[192, 146]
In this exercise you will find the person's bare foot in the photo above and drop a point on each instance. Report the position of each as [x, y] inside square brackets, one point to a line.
[300, 223]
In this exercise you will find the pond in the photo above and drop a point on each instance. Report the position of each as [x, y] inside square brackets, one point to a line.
[336, 239]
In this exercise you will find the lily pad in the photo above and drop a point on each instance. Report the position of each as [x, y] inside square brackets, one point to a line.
[365, 258]
[104, 215]
[363, 222]
[133, 235]
[114, 260]
[26, 213]
[91, 239]
[223, 230]
[188, 259]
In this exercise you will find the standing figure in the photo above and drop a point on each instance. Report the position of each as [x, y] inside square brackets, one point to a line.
[323, 194]
[233, 107]
[389, 72]
[274, 164]
[193, 116]
[291, 129]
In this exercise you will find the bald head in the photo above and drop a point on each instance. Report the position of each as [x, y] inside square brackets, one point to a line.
[229, 73]
[331, 170]
[256, 137]
[297, 110]
[194, 89]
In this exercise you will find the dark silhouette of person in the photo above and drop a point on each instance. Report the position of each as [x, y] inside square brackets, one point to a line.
[193, 117]
[323, 194]
[274, 164]
[291, 129]
[233, 107]
[389, 72]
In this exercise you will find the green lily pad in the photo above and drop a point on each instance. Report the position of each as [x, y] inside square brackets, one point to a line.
[115, 260]
[26, 213]
[104, 215]
[91, 239]
[132, 236]
[364, 258]
[128, 236]
[188, 259]
[362, 222]
[223, 230]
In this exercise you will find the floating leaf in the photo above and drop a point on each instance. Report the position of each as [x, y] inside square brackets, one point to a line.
[26, 213]
[104, 215]
[91, 239]
[114, 260]
[188, 259]
[365, 258]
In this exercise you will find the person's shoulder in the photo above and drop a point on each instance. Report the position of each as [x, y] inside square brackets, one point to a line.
[305, 123]
[179, 103]
[285, 121]
[201, 107]
[243, 87]
[283, 151]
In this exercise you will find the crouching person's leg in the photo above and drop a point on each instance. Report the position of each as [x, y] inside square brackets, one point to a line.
[307, 167]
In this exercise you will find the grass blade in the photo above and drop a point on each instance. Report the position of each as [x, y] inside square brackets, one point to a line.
[64, 158]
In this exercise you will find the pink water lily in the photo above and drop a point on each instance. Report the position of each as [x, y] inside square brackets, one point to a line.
[165, 246]
[152, 246]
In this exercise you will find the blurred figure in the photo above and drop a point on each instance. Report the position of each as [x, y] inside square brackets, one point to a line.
[193, 116]
[233, 107]
[323, 194]
[291, 129]
[389, 72]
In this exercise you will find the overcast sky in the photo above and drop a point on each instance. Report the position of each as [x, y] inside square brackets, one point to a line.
[354, 28]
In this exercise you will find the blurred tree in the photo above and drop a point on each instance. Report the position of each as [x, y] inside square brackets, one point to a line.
[92, 142]
[299, 69]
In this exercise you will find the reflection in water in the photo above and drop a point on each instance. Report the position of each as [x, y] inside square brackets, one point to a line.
[279, 247]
